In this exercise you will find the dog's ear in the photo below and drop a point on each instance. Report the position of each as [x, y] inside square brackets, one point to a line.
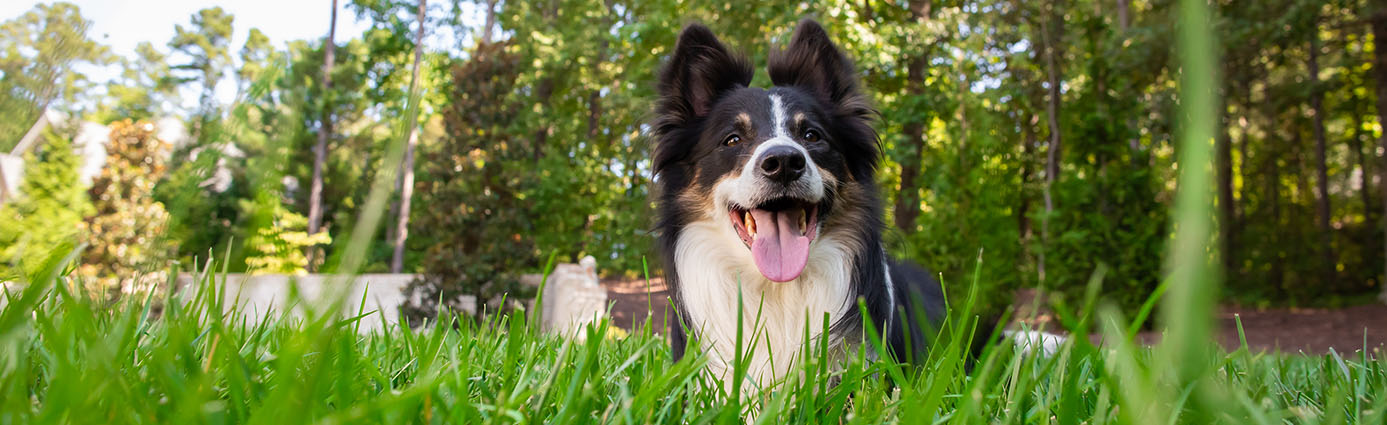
[700, 70]
[811, 61]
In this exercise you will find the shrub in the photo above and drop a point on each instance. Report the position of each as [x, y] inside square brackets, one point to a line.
[128, 251]
[279, 246]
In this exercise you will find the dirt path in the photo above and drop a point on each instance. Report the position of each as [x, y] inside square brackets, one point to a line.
[632, 301]
[1309, 330]
[1285, 329]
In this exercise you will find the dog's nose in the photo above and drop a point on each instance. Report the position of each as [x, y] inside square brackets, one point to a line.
[782, 164]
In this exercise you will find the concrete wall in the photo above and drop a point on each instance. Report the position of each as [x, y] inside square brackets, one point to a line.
[572, 297]
[258, 296]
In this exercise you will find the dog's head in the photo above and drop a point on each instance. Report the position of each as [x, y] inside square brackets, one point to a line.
[773, 164]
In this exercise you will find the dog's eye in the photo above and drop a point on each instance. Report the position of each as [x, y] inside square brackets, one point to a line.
[811, 136]
[732, 140]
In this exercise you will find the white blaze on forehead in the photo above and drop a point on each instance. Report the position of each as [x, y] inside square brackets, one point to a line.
[748, 188]
[778, 118]
[781, 137]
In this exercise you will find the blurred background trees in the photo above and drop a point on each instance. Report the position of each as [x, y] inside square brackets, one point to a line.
[41, 48]
[1033, 135]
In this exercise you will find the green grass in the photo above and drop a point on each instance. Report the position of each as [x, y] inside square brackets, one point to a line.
[66, 358]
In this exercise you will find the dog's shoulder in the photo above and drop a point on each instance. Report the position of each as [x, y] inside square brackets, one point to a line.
[916, 289]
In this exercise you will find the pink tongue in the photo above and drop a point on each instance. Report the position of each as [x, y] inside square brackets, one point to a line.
[780, 250]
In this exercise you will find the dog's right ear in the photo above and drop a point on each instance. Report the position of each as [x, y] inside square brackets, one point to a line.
[700, 70]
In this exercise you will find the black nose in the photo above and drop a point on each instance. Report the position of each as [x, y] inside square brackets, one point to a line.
[782, 164]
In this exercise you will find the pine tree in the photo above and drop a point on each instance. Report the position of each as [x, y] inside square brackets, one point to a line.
[48, 213]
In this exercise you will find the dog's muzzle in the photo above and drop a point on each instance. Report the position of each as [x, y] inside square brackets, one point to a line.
[773, 205]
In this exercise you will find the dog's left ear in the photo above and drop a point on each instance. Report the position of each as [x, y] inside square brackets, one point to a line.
[811, 61]
[700, 70]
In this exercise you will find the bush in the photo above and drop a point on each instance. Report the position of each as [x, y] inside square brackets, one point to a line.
[279, 246]
[128, 251]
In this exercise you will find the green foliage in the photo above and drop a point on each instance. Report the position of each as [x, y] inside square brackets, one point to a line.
[477, 180]
[300, 101]
[48, 211]
[144, 89]
[201, 195]
[37, 53]
[1109, 192]
[128, 251]
[280, 246]
[204, 49]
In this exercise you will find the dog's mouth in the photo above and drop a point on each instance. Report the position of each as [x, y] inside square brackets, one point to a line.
[778, 232]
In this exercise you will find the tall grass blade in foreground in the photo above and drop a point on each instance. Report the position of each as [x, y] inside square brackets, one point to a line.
[1187, 312]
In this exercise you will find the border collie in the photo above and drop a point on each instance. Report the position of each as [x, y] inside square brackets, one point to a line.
[768, 208]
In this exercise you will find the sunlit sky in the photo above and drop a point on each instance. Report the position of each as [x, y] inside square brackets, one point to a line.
[123, 24]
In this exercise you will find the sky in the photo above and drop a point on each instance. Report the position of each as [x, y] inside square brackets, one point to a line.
[123, 24]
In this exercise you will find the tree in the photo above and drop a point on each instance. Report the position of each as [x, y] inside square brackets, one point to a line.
[1322, 203]
[145, 87]
[1051, 35]
[315, 191]
[480, 170]
[913, 144]
[1378, 23]
[48, 213]
[280, 246]
[255, 55]
[41, 46]
[205, 48]
[407, 166]
[127, 250]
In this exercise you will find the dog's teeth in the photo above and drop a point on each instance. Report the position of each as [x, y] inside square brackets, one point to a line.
[750, 224]
[803, 222]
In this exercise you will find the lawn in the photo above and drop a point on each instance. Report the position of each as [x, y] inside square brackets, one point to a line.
[175, 357]
[67, 358]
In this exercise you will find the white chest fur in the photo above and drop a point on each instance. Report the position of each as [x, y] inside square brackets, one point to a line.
[713, 264]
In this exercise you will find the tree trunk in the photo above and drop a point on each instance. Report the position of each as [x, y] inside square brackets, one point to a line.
[543, 90]
[1278, 276]
[907, 207]
[1379, 27]
[397, 261]
[1123, 14]
[1052, 111]
[315, 191]
[40, 124]
[1321, 166]
[1365, 182]
[1223, 160]
[1023, 214]
[1244, 163]
[490, 21]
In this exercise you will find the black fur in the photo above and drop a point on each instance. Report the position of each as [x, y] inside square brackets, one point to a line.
[702, 88]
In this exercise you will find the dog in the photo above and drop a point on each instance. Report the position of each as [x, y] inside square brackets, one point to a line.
[768, 209]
